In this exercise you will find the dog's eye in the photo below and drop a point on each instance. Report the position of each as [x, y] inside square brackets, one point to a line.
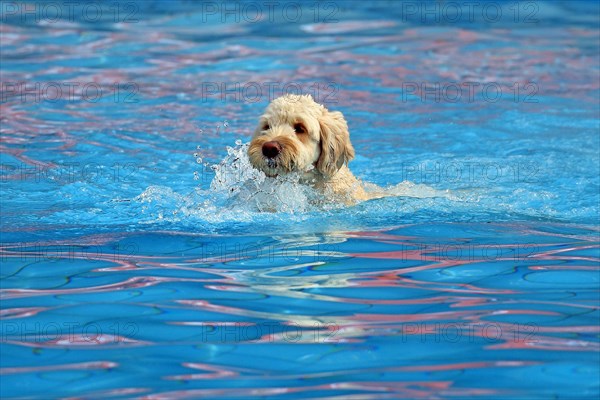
[265, 126]
[299, 128]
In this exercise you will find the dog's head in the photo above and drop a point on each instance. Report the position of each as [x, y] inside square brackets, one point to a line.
[295, 134]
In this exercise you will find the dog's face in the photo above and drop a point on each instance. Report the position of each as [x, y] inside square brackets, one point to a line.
[295, 134]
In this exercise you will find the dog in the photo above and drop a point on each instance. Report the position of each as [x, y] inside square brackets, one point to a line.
[296, 134]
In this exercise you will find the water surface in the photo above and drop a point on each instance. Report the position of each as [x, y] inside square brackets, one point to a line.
[128, 270]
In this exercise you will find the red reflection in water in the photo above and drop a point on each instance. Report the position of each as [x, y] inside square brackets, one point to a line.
[82, 340]
[60, 367]
[374, 390]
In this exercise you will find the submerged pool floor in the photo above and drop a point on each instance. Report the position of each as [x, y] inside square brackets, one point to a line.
[137, 258]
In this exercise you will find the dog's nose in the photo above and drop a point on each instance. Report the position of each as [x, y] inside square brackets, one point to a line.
[271, 149]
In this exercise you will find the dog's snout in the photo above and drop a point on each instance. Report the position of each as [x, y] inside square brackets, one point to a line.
[271, 149]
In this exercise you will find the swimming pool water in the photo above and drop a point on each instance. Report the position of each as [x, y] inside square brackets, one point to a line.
[142, 258]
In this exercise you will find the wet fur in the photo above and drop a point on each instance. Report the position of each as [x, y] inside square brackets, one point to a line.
[321, 153]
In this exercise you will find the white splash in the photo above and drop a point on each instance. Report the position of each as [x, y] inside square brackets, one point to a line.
[239, 192]
[248, 187]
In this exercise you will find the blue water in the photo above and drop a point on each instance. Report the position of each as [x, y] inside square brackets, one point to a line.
[142, 258]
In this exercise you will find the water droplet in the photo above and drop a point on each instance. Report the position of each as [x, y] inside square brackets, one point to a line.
[198, 147]
[238, 142]
[199, 160]
[225, 123]
[196, 155]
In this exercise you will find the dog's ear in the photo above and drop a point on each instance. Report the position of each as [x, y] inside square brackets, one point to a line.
[336, 148]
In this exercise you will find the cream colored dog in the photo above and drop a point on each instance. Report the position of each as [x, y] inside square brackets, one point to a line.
[296, 134]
